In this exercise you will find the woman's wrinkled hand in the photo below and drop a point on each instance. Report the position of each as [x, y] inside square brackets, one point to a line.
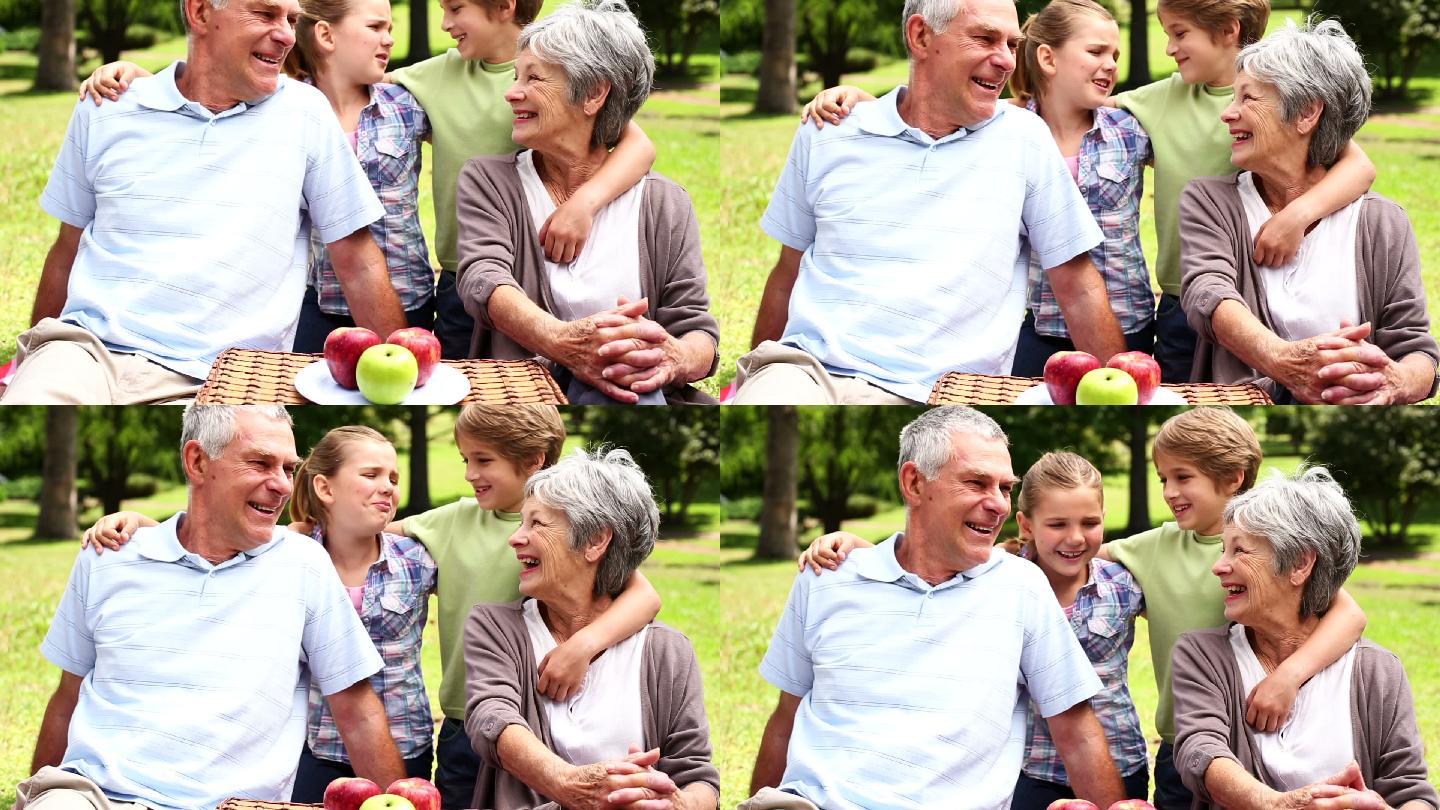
[576, 346]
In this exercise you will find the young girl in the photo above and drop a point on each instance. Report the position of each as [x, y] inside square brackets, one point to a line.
[1064, 71]
[342, 48]
[1062, 521]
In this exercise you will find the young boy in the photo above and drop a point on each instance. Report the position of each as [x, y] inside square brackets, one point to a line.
[1181, 113]
[1205, 457]
[463, 93]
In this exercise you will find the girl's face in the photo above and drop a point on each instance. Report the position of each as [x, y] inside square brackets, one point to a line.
[1081, 71]
[361, 493]
[498, 483]
[1201, 56]
[362, 42]
[1197, 500]
[1067, 527]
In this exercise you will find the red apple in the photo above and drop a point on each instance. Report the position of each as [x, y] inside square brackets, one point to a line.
[423, 344]
[1063, 372]
[1132, 804]
[420, 792]
[349, 792]
[343, 348]
[1072, 804]
[1143, 368]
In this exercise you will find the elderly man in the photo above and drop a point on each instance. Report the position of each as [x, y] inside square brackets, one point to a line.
[904, 230]
[185, 656]
[904, 675]
[184, 212]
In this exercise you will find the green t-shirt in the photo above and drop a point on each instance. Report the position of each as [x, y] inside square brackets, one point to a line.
[1189, 141]
[1172, 566]
[477, 566]
[465, 102]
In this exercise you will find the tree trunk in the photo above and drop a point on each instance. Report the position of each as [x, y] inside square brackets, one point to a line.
[777, 515]
[58, 514]
[419, 32]
[56, 70]
[419, 500]
[1139, 473]
[1139, 44]
[777, 59]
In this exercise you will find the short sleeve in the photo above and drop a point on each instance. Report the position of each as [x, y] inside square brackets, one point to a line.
[790, 217]
[1057, 674]
[69, 643]
[787, 664]
[69, 195]
[1057, 221]
[337, 647]
[338, 196]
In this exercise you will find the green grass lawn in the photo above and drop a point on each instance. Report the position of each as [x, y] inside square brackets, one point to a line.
[1402, 143]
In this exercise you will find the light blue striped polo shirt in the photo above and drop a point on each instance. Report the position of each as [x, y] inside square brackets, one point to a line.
[915, 249]
[195, 674]
[196, 224]
[915, 696]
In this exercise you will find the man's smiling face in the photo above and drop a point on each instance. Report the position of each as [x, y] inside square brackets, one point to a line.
[248, 485]
[967, 65]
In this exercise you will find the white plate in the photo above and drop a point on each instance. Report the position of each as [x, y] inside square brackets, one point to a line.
[1040, 395]
[446, 386]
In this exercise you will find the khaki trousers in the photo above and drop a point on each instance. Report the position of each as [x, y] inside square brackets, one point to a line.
[61, 364]
[772, 799]
[775, 374]
[54, 789]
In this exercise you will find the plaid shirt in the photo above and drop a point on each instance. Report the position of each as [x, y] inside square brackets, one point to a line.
[1103, 618]
[387, 141]
[1112, 179]
[394, 609]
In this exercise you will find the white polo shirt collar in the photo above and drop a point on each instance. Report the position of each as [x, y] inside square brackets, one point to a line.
[163, 95]
[882, 118]
[163, 545]
[883, 566]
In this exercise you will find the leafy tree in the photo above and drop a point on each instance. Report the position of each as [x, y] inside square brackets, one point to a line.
[847, 451]
[1394, 36]
[107, 21]
[676, 27]
[679, 449]
[830, 28]
[120, 442]
[1388, 459]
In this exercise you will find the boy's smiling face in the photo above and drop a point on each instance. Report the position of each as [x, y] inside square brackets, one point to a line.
[1203, 57]
[479, 33]
[498, 482]
[1197, 500]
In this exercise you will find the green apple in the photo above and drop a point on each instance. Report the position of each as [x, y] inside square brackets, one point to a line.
[387, 373]
[1103, 386]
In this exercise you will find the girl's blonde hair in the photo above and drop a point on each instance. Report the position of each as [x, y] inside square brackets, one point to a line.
[303, 58]
[1058, 470]
[325, 459]
[1052, 25]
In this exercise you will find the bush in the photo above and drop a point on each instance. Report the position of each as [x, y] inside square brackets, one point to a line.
[139, 37]
[861, 506]
[23, 488]
[141, 485]
[861, 60]
[21, 39]
[743, 62]
[746, 508]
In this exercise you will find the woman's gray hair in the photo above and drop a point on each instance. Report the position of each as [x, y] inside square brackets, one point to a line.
[213, 426]
[1315, 63]
[1308, 511]
[595, 42]
[929, 440]
[599, 490]
[937, 14]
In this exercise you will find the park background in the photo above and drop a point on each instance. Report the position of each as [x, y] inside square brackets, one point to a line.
[130, 457]
[839, 463]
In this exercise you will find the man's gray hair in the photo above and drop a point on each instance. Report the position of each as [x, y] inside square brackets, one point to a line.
[929, 440]
[937, 14]
[213, 426]
[185, 18]
[594, 42]
[1315, 63]
[599, 490]
[1308, 511]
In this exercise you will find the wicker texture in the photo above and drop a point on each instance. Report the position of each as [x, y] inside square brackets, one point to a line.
[248, 376]
[254, 804]
[984, 389]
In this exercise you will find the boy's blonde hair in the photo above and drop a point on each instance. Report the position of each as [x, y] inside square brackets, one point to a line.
[518, 433]
[1057, 470]
[1216, 440]
[525, 10]
[1214, 16]
[1052, 25]
[325, 459]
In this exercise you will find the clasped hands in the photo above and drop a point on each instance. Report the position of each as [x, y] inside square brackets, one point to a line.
[1340, 367]
[631, 783]
[620, 352]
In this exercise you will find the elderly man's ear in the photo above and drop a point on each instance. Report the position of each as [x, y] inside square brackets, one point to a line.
[917, 35]
[192, 455]
[199, 13]
[911, 482]
[595, 549]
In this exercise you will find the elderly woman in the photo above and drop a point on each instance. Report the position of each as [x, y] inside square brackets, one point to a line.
[1301, 330]
[629, 318]
[1289, 544]
[586, 525]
